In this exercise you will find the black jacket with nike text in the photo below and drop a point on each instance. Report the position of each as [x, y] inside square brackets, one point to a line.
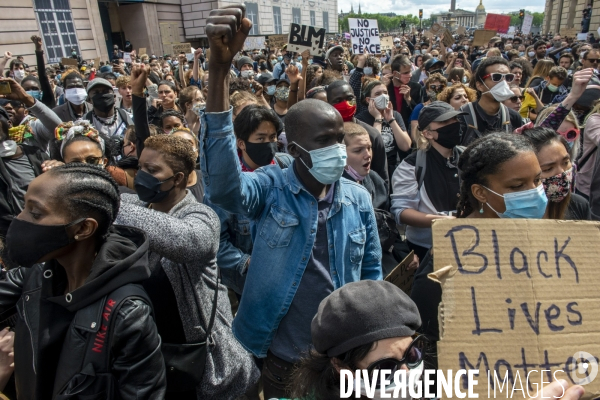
[52, 329]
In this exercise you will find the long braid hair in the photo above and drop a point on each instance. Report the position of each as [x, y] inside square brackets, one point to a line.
[483, 158]
[89, 191]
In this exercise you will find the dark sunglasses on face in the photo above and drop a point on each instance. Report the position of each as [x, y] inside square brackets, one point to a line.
[90, 160]
[413, 356]
[497, 77]
[514, 99]
[592, 60]
[436, 87]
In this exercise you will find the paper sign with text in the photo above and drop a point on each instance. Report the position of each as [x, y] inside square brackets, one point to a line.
[518, 296]
[482, 37]
[365, 36]
[127, 58]
[527, 22]
[497, 22]
[401, 276]
[142, 51]
[179, 48]
[582, 36]
[254, 42]
[387, 43]
[277, 41]
[569, 32]
[306, 37]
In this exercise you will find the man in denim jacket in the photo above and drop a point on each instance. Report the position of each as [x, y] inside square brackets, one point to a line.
[313, 232]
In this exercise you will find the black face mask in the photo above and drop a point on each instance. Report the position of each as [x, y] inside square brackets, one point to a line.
[28, 243]
[449, 136]
[103, 102]
[147, 187]
[261, 153]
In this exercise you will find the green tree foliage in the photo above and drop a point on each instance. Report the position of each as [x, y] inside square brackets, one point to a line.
[538, 18]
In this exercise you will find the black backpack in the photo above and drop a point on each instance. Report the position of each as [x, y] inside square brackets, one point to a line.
[421, 163]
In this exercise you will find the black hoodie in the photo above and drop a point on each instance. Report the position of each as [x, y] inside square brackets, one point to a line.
[50, 341]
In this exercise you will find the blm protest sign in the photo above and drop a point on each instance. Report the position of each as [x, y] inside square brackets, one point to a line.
[519, 296]
[365, 36]
[277, 41]
[182, 48]
[401, 276]
[306, 37]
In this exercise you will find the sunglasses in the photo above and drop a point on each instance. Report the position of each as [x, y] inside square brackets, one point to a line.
[436, 87]
[514, 99]
[413, 356]
[570, 135]
[497, 77]
[592, 60]
[90, 160]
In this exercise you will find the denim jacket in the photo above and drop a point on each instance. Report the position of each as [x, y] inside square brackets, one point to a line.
[235, 247]
[284, 215]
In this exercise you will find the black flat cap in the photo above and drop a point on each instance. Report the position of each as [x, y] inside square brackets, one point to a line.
[360, 313]
[438, 111]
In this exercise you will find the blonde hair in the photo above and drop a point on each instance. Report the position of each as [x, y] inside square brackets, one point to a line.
[541, 70]
[241, 98]
[571, 117]
[352, 130]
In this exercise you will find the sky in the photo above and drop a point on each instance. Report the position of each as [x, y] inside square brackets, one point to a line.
[403, 7]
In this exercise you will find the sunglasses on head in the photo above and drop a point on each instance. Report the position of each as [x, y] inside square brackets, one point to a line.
[570, 135]
[413, 357]
[514, 99]
[497, 77]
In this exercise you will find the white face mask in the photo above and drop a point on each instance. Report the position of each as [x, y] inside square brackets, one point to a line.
[381, 101]
[247, 74]
[531, 54]
[368, 71]
[76, 96]
[501, 91]
[19, 74]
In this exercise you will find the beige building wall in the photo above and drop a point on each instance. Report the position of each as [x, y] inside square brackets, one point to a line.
[561, 14]
[18, 23]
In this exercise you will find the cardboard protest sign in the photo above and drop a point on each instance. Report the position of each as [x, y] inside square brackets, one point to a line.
[97, 62]
[306, 37]
[68, 61]
[141, 51]
[497, 22]
[482, 37]
[447, 38]
[277, 41]
[569, 32]
[387, 43]
[461, 30]
[254, 42]
[527, 22]
[436, 29]
[401, 276]
[182, 48]
[365, 36]
[519, 296]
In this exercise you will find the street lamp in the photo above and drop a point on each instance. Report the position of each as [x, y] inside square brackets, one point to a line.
[403, 25]
[420, 20]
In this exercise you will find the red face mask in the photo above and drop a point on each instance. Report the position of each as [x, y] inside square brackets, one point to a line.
[346, 109]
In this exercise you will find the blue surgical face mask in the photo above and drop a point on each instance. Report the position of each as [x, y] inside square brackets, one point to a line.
[271, 90]
[300, 58]
[368, 71]
[521, 53]
[279, 58]
[327, 163]
[36, 94]
[525, 204]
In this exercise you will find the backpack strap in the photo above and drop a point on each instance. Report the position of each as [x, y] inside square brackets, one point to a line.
[505, 119]
[99, 343]
[584, 159]
[472, 119]
[420, 167]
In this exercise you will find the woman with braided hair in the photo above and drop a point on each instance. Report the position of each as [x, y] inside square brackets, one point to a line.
[500, 178]
[76, 265]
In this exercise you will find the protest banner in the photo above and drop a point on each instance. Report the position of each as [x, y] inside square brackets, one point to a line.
[497, 22]
[447, 38]
[527, 22]
[482, 37]
[387, 43]
[142, 51]
[306, 37]
[365, 36]
[277, 41]
[254, 42]
[68, 61]
[181, 48]
[401, 276]
[519, 296]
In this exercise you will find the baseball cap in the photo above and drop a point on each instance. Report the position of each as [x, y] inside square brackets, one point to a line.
[434, 62]
[98, 82]
[331, 50]
[284, 80]
[438, 111]
[264, 79]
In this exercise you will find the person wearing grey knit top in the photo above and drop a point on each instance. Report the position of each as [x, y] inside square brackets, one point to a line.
[184, 239]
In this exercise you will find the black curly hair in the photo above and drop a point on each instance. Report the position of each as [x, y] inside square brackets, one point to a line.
[172, 113]
[89, 192]
[483, 158]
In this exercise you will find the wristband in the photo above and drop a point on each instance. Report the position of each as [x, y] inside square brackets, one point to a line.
[380, 121]
[391, 121]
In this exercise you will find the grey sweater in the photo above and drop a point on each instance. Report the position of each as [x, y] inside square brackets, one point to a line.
[188, 238]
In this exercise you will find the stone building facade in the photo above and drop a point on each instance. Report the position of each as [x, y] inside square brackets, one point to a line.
[567, 14]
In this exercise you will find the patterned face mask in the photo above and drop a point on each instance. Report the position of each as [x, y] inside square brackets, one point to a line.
[282, 93]
[557, 187]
